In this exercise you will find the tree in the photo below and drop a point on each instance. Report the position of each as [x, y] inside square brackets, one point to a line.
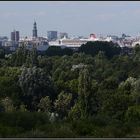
[22, 108]
[116, 105]
[63, 104]
[19, 57]
[136, 92]
[2, 53]
[137, 49]
[8, 84]
[46, 63]
[7, 103]
[45, 104]
[35, 84]
[127, 86]
[58, 51]
[109, 48]
[100, 66]
[54, 51]
[84, 91]
[133, 114]
[31, 58]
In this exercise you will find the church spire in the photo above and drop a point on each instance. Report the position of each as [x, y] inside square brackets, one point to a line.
[35, 29]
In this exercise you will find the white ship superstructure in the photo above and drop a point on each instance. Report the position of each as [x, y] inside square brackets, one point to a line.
[72, 42]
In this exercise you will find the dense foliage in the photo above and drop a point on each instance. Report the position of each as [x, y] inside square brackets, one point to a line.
[91, 92]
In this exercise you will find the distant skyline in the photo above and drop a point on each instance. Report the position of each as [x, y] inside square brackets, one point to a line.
[79, 18]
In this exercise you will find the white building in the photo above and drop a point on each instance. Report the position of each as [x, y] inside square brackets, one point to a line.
[40, 43]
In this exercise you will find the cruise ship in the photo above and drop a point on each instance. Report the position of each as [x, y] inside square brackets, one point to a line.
[72, 42]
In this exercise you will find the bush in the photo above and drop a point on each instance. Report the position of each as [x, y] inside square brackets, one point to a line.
[25, 120]
[133, 114]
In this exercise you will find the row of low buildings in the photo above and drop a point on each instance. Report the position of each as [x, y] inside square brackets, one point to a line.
[42, 43]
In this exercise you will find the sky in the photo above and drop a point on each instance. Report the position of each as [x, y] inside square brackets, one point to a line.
[77, 18]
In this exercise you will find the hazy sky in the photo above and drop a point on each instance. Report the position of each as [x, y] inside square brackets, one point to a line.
[74, 17]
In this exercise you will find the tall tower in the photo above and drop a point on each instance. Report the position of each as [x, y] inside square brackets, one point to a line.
[35, 30]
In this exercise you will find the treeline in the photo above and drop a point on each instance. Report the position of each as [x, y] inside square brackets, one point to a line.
[109, 48]
[94, 92]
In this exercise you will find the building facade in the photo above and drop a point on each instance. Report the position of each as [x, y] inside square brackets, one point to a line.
[52, 35]
[15, 36]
